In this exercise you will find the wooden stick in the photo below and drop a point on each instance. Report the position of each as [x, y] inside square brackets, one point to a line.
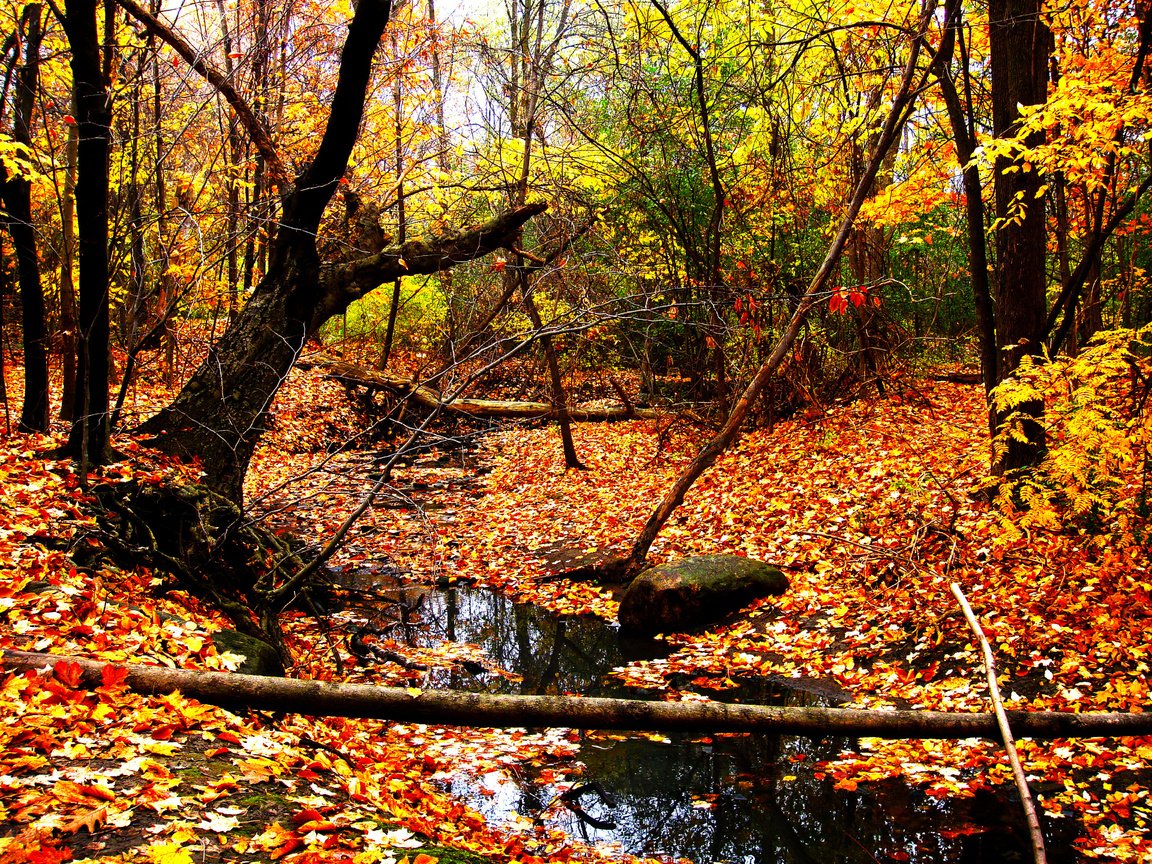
[1037, 835]
[455, 708]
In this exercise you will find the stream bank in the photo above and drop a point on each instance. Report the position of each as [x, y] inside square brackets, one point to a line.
[724, 798]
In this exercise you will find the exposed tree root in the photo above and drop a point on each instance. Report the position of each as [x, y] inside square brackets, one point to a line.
[206, 542]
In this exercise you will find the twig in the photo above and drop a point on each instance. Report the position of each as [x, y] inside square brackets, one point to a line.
[1006, 732]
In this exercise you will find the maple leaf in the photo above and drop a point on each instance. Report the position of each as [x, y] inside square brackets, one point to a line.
[77, 793]
[113, 678]
[68, 673]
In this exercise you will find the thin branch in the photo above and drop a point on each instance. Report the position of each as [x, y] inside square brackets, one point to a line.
[1005, 730]
[257, 131]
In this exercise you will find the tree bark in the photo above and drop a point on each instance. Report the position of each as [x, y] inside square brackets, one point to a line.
[88, 440]
[1019, 47]
[450, 707]
[17, 195]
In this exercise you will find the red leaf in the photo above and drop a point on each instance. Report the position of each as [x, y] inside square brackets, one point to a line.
[68, 673]
[113, 677]
[49, 855]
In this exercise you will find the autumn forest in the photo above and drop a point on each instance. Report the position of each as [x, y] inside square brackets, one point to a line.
[572, 430]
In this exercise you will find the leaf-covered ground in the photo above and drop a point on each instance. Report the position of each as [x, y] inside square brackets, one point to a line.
[869, 508]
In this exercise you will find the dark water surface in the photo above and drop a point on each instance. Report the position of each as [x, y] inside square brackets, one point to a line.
[747, 799]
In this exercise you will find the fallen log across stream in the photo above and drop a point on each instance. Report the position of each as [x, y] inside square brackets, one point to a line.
[455, 708]
[352, 375]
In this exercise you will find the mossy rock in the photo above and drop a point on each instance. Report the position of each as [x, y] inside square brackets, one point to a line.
[695, 592]
[260, 658]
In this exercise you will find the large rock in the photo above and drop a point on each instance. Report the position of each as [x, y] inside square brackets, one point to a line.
[695, 592]
[260, 658]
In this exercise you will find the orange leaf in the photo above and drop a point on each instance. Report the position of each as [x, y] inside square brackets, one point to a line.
[287, 847]
[75, 793]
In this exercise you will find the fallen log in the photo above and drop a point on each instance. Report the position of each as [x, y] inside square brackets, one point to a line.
[454, 708]
[498, 409]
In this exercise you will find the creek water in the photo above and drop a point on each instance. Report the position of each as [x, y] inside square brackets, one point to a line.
[746, 799]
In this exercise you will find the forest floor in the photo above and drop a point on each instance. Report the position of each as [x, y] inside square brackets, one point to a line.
[869, 507]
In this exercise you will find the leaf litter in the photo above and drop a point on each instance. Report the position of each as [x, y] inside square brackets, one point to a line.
[869, 509]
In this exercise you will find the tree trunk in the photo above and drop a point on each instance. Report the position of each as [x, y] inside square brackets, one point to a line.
[88, 440]
[17, 194]
[559, 399]
[425, 396]
[963, 120]
[1019, 46]
[397, 704]
[68, 321]
[220, 414]
[401, 212]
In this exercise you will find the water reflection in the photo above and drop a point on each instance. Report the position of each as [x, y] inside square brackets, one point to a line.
[746, 799]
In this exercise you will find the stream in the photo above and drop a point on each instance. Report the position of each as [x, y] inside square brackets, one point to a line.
[743, 799]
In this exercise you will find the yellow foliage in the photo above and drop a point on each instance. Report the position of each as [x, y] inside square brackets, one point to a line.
[1093, 475]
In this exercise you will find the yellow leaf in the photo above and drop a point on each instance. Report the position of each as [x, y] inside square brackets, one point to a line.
[168, 853]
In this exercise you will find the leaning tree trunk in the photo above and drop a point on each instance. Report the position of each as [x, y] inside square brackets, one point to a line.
[710, 452]
[221, 413]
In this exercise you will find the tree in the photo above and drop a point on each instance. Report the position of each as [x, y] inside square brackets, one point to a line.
[88, 439]
[219, 414]
[531, 61]
[16, 192]
[1020, 44]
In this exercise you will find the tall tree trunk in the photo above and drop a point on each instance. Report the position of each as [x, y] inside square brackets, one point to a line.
[531, 63]
[235, 158]
[88, 440]
[17, 194]
[68, 320]
[963, 121]
[401, 211]
[1019, 45]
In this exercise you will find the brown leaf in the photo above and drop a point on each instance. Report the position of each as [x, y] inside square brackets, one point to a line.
[92, 820]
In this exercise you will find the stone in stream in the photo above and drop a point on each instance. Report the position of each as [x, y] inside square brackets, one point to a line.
[694, 592]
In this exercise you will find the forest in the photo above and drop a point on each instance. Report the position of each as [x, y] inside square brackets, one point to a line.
[573, 430]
